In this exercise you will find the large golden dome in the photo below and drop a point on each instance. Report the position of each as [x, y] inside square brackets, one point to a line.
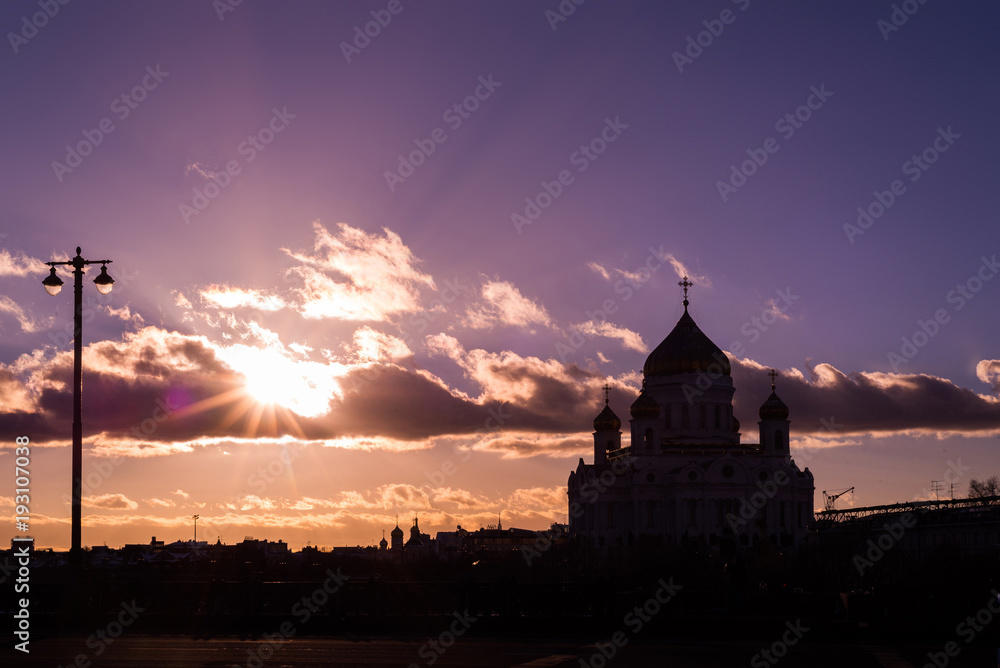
[686, 350]
[606, 420]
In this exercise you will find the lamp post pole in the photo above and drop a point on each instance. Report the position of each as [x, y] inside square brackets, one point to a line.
[53, 285]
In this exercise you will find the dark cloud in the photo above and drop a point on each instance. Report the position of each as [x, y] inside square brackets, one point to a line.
[865, 402]
[164, 387]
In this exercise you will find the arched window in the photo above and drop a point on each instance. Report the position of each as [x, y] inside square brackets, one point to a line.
[718, 416]
[779, 440]
[685, 420]
[649, 439]
[702, 417]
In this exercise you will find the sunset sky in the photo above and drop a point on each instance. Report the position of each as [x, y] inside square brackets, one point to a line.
[368, 275]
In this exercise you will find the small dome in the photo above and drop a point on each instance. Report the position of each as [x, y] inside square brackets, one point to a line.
[607, 420]
[397, 532]
[645, 407]
[686, 350]
[773, 409]
[383, 543]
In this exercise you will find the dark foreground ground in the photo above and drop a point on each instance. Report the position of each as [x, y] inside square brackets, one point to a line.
[178, 652]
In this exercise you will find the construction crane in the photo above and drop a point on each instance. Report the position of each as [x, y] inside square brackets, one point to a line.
[830, 499]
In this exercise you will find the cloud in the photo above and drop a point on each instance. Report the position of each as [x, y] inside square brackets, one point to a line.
[111, 502]
[19, 264]
[125, 314]
[370, 345]
[599, 270]
[354, 275]
[629, 339]
[250, 502]
[516, 445]
[462, 498]
[533, 394]
[988, 371]
[681, 270]
[181, 493]
[228, 297]
[546, 498]
[503, 304]
[160, 503]
[26, 322]
[824, 401]
[199, 169]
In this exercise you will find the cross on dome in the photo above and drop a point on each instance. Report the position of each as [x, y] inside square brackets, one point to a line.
[685, 284]
[773, 374]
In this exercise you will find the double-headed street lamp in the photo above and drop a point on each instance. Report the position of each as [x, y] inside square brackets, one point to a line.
[53, 284]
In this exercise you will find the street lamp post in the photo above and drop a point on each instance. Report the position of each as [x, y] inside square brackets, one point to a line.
[53, 284]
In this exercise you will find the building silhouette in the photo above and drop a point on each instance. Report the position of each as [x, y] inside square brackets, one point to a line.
[685, 476]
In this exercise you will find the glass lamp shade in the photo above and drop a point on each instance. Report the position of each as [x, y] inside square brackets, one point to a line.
[104, 281]
[53, 284]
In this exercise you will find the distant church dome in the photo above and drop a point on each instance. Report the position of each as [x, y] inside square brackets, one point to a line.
[686, 350]
[645, 407]
[606, 420]
[774, 408]
[397, 532]
[414, 535]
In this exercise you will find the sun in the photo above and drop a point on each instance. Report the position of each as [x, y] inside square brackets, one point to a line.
[269, 381]
[273, 378]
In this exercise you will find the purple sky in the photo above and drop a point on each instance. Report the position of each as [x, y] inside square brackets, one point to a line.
[390, 310]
